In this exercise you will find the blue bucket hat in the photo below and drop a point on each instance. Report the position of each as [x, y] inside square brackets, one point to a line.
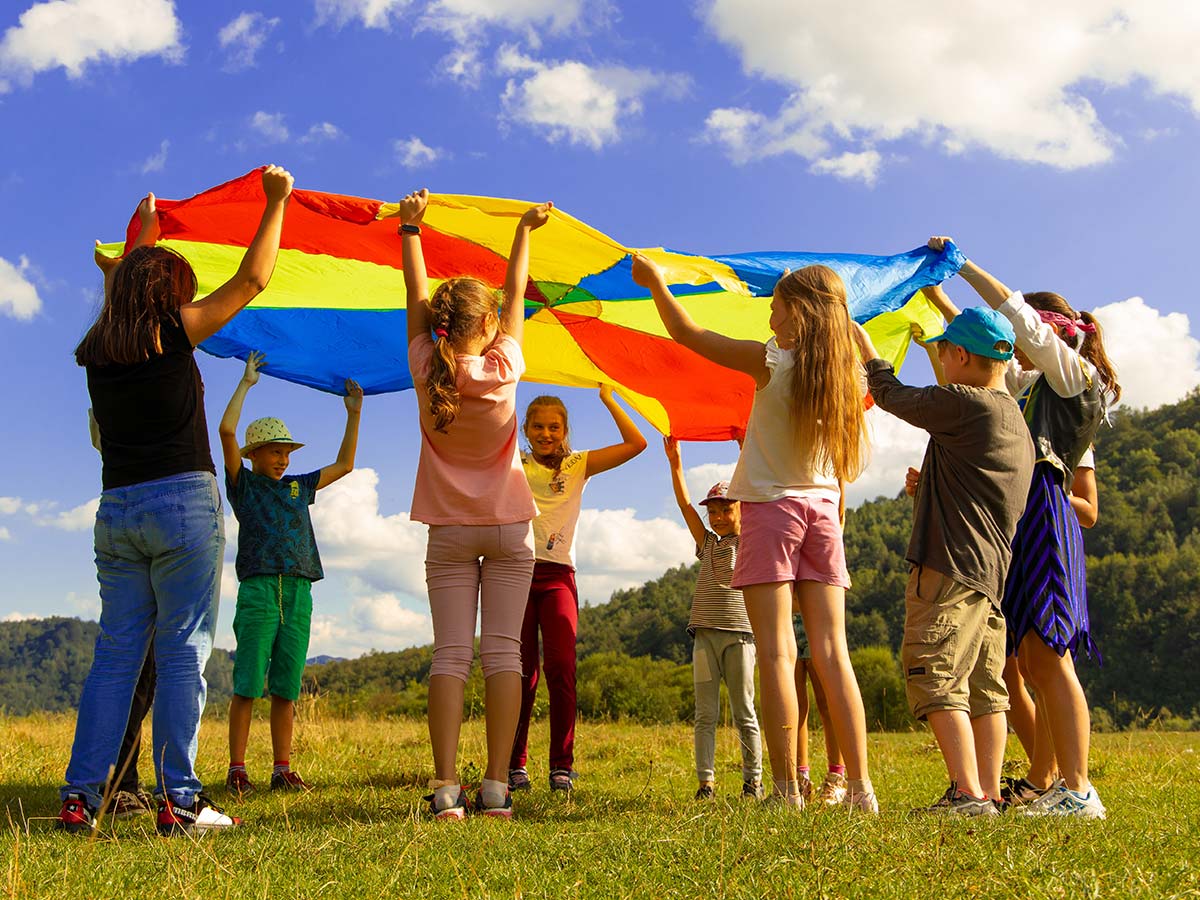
[978, 329]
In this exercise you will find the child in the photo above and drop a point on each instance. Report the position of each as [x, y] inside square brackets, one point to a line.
[1065, 383]
[723, 641]
[277, 562]
[806, 434]
[557, 478]
[970, 495]
[471, 491]
[833, 788]
[1043, 767]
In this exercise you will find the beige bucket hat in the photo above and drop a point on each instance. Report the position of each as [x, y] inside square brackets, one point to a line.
[268, 431]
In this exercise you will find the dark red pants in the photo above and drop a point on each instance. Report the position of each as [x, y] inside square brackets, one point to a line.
[554, 608]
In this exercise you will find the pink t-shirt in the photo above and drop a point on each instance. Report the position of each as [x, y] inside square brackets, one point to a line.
[472, 474]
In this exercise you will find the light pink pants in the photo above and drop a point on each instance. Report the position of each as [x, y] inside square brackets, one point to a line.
[469, 567]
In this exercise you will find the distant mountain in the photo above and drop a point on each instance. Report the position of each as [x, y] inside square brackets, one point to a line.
[322, 659]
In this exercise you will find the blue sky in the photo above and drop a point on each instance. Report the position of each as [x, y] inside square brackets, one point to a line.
[1057, 147]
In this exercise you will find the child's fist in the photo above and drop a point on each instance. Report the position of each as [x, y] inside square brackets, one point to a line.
[646, 272]
[412, 207]
[537, 216]
[671, 448]
[148, 210]
[938, 243]
[911, 479]
[277, 183]
[354, 396]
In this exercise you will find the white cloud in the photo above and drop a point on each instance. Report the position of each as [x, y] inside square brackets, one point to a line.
[11, 506]
[849, 166]
[5, 534]
[243, 37]
[322, 131]
[75, 33]
[702, 477]
[385, 617]
[1156, 357]
[615, 549]
[1009, 78]
[370, 13]
[158, 161]
[573, 101]
[18, 295]
[414, 152]
[895, 445]
[80, 518]
[86, 606]
[270, 126]
[20, 616]
[463, 20]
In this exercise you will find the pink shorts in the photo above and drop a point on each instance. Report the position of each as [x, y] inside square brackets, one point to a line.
[791, 539]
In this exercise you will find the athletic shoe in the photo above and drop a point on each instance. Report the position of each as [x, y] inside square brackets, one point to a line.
[705, 792]
[959, 803]
[201, 816]
[806, 789]
[563, 779]
[131, 803]
[288, 781]
[238, 783]
[862, 802]
[76, 816]
[833, 789]
[1062, 801]
[503, 811]
[455, 812]
[773, 801]
[1019, 791]
[518, 779]
[751, 790]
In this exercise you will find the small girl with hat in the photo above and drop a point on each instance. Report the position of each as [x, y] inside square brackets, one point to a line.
[277, 562]
[723, 648]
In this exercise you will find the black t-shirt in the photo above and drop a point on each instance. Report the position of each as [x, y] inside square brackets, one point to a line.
[151, 414]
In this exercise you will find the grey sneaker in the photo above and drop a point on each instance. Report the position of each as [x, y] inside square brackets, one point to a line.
[959, 803]
[1062, 801]
[563, 779]
[132, 803]
[518, 779]
[705, 792]
[752, 790]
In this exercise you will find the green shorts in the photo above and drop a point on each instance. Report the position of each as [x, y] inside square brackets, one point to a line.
[272, 624]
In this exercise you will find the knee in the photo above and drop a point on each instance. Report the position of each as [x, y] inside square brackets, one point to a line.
[455, 660]
[500, 654]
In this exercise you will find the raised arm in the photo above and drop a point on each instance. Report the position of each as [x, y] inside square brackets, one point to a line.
[941, 300]
[690, 517]
[230, 451]
[742, 356]
[344, 464]
[147, 211]
[990, 288]
[512, 311]
[204, 318]
[416, 282]
[632, 442]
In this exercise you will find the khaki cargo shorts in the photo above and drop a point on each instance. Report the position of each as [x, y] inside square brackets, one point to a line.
[953, 649]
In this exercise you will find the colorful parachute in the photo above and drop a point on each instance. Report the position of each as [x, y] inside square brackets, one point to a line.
[335, 305]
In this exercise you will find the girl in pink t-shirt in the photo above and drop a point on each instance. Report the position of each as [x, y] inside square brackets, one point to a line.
[471, 491]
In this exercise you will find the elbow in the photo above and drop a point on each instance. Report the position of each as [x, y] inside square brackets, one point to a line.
[637, 445]
[1088, 519]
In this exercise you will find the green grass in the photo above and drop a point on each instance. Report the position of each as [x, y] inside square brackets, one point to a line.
[630, 830]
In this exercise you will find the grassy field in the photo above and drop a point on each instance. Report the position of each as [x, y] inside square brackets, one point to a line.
[631, 828]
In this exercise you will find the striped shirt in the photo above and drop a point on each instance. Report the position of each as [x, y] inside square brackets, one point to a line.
[715, 604]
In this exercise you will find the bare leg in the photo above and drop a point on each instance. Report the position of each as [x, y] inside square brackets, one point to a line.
[502, 702]
[1022, 713]
[1043, 767]
[445, 721]
[1067, 719]
[283, 717]
[952, 728]
[833, 753]
[823, 607]
[769, 607]
[802, 708]
[991, 733]
[240, 709]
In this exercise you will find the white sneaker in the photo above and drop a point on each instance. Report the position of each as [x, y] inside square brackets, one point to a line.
[833, 789]
[202, 815]
[1062, 801]
[862, 802]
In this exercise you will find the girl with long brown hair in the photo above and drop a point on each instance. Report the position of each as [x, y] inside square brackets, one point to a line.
[806, 436]
[159, 528]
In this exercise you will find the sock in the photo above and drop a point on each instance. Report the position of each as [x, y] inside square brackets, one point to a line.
[861, 786]
[281, 766]
[838, 770]
[781, 786]
[445, 797]
[802, 772]
[493, 792]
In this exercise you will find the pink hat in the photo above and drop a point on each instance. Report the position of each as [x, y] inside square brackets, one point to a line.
[719, 491]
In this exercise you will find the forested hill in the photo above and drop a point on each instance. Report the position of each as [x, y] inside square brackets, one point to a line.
[1143, 575]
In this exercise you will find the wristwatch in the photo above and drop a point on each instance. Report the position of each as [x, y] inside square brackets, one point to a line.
[409, 229]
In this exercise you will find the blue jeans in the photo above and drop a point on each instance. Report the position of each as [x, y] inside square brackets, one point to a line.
[158, 560]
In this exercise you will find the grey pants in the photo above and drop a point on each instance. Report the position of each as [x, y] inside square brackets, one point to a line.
[727, 655]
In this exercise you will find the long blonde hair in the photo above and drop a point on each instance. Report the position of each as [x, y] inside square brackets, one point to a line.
[827, 397]
[458, 305]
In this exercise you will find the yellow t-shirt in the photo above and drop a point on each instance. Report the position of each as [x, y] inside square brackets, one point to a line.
[559, 496]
